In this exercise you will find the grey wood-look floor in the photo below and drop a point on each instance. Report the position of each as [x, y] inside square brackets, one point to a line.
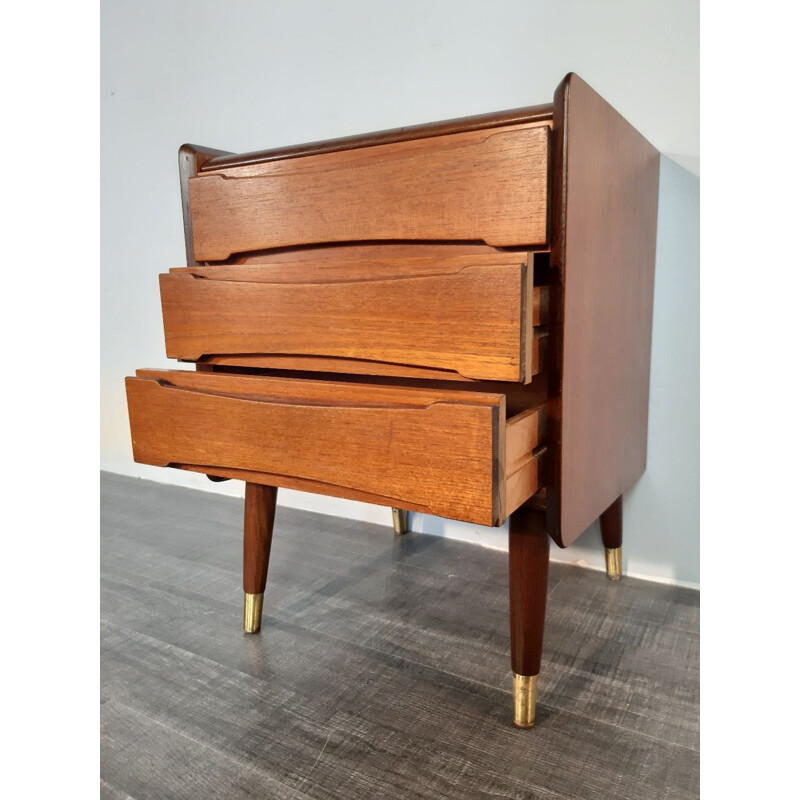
[381, 670]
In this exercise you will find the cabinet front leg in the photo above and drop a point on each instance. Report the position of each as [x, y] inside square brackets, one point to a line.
[611, 531]
[529, 562]
[259, 518]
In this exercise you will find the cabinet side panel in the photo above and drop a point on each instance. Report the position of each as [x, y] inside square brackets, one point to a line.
[190, 160]
[604, 237]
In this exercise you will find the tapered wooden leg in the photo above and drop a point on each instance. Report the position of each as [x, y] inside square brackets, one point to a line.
[259, 518]
[400, 520]
[528, 562]
[611, 531]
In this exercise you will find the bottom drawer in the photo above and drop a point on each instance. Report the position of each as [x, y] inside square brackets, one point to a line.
[447, 452]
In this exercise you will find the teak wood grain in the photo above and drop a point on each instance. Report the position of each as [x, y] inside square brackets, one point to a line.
[338, 368]
[488, 185]
[369, 251]
[605, 198]
[472, 316]
[528, 567]
[542, 114]
[433, 450]
[191, 159]
[259, 521]
[519, 397]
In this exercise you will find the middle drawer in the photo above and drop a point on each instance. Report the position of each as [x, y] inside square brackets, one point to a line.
[467, 317]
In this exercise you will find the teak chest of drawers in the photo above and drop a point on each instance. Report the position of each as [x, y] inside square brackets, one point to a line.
[452, 318]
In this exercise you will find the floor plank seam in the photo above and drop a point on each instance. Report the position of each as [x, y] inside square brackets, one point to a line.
[402, 659]
[207, 746]
[120, 792]
[694, 632]
[291, 621]
[542, 705]
[632, 731]
[492, 687]
[305, 779]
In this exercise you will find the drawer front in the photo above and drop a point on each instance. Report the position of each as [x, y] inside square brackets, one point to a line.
[442, 452]
[488, 185]
[468, 317]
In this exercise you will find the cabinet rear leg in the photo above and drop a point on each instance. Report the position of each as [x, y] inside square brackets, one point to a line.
[400, 520]
[259, 518]
[611, 530]
[528, 562]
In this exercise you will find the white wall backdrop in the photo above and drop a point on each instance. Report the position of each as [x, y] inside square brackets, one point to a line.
[249, 74]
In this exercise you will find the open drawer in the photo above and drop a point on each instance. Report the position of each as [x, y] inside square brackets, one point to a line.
[451, 453]
[468, 317]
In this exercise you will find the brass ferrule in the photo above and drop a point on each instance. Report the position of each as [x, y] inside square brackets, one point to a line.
[253, 603]
[614, 563]
[525, 688]
[400, 520]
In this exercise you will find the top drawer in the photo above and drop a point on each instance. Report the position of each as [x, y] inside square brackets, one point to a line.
[488, 185]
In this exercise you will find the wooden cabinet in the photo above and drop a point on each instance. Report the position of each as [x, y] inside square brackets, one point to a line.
[452, 318]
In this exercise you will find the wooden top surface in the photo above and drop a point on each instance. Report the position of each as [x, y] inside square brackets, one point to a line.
[540, 113]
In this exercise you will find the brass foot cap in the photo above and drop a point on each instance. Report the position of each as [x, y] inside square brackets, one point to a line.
[253, 603]
[525, 688]
[400, 520]
[614, 563]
